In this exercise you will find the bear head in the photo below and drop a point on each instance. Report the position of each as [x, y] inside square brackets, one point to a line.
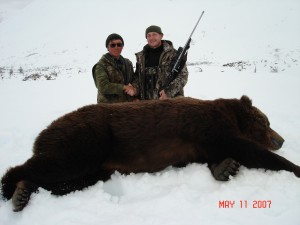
[255, 126]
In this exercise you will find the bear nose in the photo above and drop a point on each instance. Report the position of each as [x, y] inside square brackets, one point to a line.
[277, 143]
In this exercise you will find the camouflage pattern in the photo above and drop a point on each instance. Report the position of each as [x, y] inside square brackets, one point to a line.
[151, 80]
[109, 79]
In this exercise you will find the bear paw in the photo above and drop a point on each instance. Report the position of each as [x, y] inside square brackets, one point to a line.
[22, 194]
[297, 171]
[226, 168]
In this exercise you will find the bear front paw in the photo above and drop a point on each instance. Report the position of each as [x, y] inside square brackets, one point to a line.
[226, 168]
[297, 171]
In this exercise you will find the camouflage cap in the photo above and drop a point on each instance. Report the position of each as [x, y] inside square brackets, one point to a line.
[153, 28]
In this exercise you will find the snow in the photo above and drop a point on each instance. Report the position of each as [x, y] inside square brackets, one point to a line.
[67, 37]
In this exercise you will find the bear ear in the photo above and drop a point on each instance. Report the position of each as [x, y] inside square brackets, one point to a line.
[246, 101]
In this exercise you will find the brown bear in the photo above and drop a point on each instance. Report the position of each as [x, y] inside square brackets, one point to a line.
[89, 144]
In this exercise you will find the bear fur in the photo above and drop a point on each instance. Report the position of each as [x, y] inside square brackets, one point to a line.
[91, 143]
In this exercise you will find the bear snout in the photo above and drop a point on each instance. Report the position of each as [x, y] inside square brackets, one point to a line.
[277, 142]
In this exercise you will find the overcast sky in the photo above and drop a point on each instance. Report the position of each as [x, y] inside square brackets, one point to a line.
[8, 5]
[13, 3]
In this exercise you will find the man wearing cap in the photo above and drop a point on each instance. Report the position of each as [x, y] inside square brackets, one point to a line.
[153, 68]
[113, 73]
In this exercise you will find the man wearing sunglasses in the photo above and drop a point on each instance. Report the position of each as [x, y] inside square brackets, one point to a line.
[113, 74]
[153, 68]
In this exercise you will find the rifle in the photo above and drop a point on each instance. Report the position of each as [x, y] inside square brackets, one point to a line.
[181, 56]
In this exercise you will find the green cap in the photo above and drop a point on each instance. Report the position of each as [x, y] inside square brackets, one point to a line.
[153, 28]
[111, 37]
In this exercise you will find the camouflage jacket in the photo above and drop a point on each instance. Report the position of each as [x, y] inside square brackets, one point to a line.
[109, 79]
[162, 77]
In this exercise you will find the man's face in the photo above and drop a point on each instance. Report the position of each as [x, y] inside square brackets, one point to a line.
[115, 48]
[154, 39]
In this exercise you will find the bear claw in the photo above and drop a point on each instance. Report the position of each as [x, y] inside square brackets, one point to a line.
[225, 169]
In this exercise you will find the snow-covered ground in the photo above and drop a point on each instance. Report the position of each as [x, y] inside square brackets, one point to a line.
[65, 38]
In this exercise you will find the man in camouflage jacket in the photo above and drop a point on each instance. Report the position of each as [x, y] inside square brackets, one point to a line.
[113, 73]
[153, 68]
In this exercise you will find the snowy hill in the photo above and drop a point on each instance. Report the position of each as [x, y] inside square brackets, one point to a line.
[239, 47]
[67, 37]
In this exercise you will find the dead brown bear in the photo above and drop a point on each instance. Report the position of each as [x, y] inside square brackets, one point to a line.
[89, 144]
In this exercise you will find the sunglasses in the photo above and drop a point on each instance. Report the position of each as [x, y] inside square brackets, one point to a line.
[113, 45]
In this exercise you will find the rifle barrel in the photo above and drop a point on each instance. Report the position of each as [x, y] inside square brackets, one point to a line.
[196, 24]
[175, 69]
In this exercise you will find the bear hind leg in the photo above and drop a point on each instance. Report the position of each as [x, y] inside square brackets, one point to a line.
[78, 184]
[24, 189]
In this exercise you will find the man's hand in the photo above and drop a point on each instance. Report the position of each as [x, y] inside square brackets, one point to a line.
[162, 95]
[130, 90]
